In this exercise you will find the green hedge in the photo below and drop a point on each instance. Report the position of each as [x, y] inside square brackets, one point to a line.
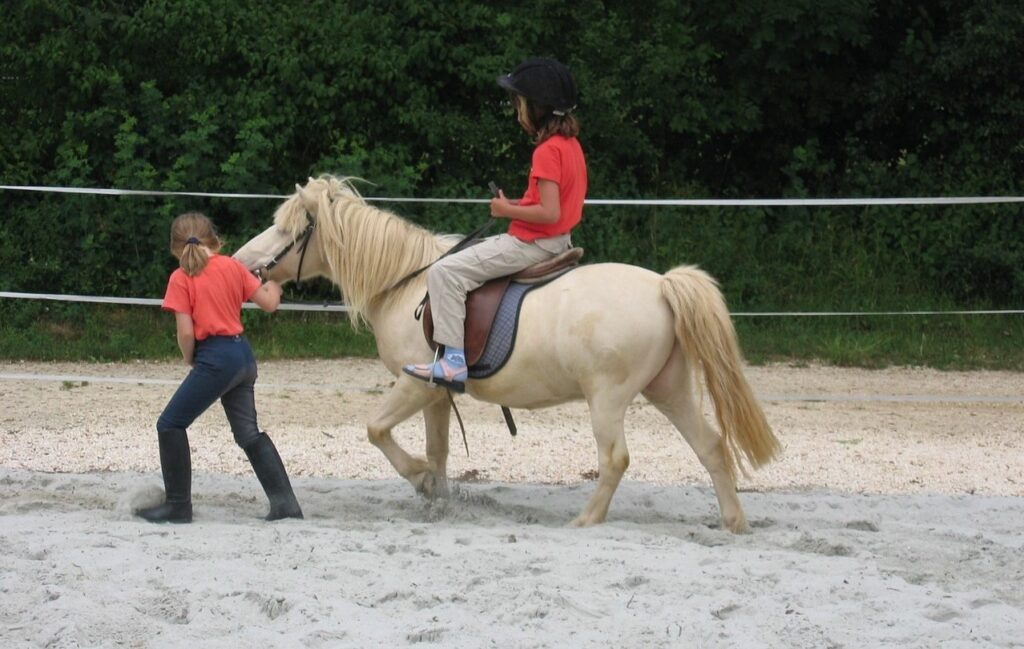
[759, 98]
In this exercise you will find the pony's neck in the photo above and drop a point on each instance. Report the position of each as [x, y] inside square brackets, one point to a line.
[370, 250]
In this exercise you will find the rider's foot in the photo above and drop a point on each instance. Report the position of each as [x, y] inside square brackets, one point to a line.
[450, 370]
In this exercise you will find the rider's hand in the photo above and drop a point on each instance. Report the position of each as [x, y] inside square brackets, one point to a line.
[499, 205]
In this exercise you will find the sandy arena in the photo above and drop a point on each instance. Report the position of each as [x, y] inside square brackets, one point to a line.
[894, 518]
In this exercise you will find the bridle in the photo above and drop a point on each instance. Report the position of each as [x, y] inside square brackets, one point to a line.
[303, 242]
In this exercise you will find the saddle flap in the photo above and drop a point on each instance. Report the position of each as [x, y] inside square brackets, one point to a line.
[481, 307]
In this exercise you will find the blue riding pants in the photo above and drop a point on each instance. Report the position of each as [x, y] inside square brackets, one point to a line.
[223, 368]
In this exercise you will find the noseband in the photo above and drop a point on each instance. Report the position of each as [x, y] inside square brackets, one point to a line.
[303, 241]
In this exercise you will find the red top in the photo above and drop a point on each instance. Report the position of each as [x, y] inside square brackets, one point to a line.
[558, 159]
[214, 297]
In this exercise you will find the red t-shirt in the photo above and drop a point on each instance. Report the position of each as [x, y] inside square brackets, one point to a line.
[214, 297]
[558, 159]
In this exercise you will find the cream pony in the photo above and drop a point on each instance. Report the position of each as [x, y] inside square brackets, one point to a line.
[603, 332]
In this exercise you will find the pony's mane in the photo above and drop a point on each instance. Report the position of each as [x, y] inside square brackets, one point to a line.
[367, 249]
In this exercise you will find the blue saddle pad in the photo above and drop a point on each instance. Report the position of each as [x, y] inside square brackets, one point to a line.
[502, 337]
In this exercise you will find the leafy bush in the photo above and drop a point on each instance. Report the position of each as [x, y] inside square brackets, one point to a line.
[682, 99]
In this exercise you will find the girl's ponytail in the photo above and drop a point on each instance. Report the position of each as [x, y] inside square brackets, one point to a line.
[193, 238]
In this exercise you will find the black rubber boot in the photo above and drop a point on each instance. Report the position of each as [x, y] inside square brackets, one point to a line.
[176, 464]
[266, 462]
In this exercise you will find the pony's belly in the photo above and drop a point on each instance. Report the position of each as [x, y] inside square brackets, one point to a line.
[517, 387]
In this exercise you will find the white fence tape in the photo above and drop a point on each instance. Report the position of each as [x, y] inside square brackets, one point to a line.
[665, 202]
[757, 202]
[100, 299]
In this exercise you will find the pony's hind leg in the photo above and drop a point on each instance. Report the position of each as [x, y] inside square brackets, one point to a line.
[607, 417]
[672, 394]
[406, 399]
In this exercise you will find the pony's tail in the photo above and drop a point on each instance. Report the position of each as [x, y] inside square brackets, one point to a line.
[705, 331]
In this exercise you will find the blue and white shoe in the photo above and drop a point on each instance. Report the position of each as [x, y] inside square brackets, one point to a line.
[449, 371]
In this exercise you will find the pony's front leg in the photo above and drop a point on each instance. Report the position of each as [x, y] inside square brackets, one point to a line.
[437, 417]
[405, 399]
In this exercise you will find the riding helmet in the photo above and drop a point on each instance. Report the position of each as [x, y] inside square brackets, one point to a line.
[543, 81]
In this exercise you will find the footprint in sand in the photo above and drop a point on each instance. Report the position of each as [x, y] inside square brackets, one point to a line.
[271, 606]
[863, 526]
[942, 614]
[324, 638]
[808, 543]
[166, 607]
[429, 635]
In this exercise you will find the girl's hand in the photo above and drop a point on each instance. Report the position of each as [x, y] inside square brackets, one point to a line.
[547, 211]
[268, 296]
[500, 205]
[273, 288]
[186, 336]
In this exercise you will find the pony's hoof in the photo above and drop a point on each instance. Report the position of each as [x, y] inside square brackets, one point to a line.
[583, 521]
[441, 489]
[737, 525]
[430, 485]
[423, 483]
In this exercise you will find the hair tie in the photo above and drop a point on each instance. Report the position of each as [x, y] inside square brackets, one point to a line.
[192, 240]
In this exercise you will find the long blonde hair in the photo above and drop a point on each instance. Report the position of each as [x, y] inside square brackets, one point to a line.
[192, 235]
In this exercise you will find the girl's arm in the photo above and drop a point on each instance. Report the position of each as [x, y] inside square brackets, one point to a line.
[268, 296]
[547, 211]
[186, 336]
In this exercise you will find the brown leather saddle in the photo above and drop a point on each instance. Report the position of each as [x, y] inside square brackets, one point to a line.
[482, 303]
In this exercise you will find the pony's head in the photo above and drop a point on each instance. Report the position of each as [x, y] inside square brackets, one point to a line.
[362, 249]
[286, 250]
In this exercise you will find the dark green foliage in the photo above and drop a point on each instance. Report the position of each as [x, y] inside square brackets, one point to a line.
[752, 98]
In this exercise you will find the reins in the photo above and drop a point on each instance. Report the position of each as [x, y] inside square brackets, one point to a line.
[463, 243]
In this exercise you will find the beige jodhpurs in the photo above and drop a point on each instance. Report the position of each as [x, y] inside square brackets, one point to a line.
[451, 278]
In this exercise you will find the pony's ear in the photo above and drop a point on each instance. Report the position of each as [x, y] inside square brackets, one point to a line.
[309, 199]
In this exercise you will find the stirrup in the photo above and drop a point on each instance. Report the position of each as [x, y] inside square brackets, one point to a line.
[426, 374]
